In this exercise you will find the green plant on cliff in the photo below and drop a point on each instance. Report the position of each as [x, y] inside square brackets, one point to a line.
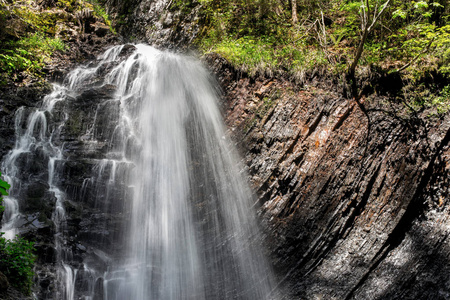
[17, 262]
[100, 12]
[27, 37]
[4, 186]
[16, 256]
[28, 33]
[29, 53]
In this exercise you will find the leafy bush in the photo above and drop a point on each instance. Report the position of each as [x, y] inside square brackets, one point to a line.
[16, 256]
[442, 102]
[28, 53]
[4, 186]
[17, 262]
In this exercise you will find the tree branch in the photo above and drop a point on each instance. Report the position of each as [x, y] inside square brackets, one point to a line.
[379, 14]
[366, 30]
[425, 50]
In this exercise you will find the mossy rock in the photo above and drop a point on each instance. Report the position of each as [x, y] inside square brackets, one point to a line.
[4, 283]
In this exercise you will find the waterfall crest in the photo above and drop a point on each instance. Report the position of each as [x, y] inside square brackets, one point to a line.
[166, 160]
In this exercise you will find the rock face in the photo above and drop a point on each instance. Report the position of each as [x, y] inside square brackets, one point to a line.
[354, 201]
[160, 23]
[86, 226]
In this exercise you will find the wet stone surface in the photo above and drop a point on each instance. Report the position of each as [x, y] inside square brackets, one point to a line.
[353, 204]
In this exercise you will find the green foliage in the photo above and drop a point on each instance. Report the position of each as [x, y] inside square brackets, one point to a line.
[29, 53]
[253, 56]
[28, 29]
[16, 256]
[442, 102]
[255, 36]
[263, 56]
[239, 18]
[17, 262]
[100, 12]
[69, 5]
[27, 37]
[4, 186]
[259, 37]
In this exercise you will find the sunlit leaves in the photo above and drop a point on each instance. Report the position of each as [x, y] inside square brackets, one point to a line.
[4, 186]
[399, 13]
[17, 262]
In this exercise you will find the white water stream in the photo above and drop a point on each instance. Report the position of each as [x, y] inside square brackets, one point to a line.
[192, 233]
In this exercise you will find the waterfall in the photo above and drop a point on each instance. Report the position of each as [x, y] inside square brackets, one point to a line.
[160, 161]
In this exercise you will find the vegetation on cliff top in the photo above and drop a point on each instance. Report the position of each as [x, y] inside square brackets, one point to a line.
[332, 30]
[31, 31]
[408, 39]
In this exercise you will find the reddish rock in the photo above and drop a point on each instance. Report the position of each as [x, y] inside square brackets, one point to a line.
[355, 204]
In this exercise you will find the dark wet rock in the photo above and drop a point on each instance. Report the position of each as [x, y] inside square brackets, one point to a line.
[127, 50]
[159, 23]
[101, 29]
[4, 283]
[45, 252]
[352, 203]
[7, 292]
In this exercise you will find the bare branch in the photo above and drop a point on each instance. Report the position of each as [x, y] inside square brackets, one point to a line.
[294, 11]
[367, 12]
[385, 5]
[365, 15]
[307, 30]
[323, 29]
[362, 15]
[375, 12]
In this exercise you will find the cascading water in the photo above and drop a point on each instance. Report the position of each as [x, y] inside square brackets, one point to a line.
[167, 167]
[35, 140]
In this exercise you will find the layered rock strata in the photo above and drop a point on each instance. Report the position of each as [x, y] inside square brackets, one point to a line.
[354, 197]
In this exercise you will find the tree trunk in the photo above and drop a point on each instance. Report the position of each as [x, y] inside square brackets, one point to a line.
[294, 11]
[358, 53]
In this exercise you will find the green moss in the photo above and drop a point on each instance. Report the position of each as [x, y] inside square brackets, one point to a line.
[27, 34]
[267, 104]
[28, 54]
[100, 12]
[420, 96]
[263, 56]
[70, 5]
[441, 102]
[249, 124]
[263, 108]
[74, 124]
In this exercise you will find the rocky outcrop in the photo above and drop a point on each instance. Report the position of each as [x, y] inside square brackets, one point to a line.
[354, 198]
[36, 201]
[162, 23]
[91, 224]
